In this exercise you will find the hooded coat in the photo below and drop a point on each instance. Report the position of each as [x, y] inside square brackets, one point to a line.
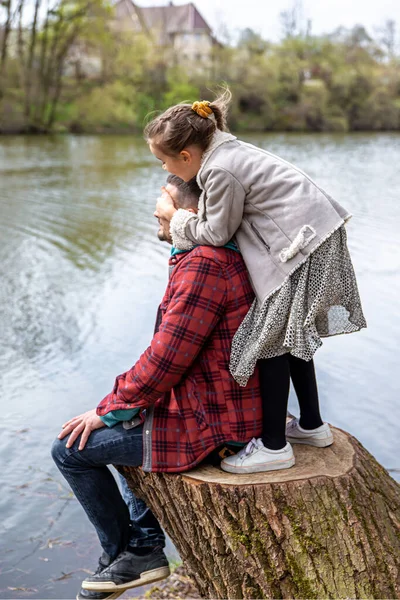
[277, 214]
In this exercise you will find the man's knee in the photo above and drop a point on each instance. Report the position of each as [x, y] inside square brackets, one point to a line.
[59, 451]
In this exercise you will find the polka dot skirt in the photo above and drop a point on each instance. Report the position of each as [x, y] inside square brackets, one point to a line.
[318, 300]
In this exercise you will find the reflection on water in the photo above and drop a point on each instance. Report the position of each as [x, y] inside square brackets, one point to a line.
[82, 272]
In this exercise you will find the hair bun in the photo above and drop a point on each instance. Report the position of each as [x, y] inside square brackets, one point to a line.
[203, 109]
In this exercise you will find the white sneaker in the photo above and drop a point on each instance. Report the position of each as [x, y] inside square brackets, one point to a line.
[320, 437]
[255, 458]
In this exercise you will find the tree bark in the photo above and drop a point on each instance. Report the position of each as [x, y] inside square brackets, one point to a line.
[29, 77]
[6, 32]
[21, 43]
[329, 527]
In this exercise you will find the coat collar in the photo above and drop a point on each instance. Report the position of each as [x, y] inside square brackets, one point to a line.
[219, 138]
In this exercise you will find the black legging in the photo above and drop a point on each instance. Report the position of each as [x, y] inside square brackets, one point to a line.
[275, 375]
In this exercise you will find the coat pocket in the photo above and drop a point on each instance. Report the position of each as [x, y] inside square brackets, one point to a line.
[267, 237]
[195, 405]
[260, 237]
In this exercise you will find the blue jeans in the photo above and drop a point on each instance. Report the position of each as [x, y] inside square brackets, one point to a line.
[120, 520]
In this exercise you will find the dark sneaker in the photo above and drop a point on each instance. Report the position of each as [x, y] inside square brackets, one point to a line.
[88, 595]
[128, 571]
[104, 562]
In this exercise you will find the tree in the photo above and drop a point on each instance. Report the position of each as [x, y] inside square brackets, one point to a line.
[252, 42]
[68, 24]
[292, 19]
[5, 5]
[45, 34]
[326, 528]
[387, 36]
[10, 12]
[64, 64]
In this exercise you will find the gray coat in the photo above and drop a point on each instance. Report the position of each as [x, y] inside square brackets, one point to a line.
[277, 214]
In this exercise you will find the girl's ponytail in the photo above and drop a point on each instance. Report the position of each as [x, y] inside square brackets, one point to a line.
[188, 124]
[220, 108]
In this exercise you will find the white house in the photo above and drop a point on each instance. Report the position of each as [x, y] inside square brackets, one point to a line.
[181, 28]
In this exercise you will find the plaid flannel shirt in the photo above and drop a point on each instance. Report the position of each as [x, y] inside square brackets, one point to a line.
[193, 404]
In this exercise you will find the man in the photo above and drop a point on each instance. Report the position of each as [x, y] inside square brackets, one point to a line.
[188, 405]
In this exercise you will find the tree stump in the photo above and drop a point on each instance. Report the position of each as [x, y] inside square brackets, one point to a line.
[329, 527]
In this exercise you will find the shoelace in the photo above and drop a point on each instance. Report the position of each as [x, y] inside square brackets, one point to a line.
[101, 565]
[252, 445]
[292, 425]
[99, 569]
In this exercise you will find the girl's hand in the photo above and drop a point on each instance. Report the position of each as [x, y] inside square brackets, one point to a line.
[165, 208]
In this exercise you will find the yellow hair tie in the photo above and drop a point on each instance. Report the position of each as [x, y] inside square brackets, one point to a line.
[202, 109]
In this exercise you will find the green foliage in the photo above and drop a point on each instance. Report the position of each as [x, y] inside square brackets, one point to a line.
[180, 89]
[12, 117]
[338, 82]
[111, 107]
[380, 112]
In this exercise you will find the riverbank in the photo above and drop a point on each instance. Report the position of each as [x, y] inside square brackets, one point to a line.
[126, 129]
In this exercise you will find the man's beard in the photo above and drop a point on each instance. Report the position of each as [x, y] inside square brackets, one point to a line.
[162, 237]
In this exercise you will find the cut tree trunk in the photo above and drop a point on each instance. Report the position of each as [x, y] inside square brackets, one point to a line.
[329, 527]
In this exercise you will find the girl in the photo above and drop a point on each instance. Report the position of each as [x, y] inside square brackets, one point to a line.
[292, 238]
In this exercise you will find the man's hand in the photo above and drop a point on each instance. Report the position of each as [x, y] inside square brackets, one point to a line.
[83, 424]
[165, 208]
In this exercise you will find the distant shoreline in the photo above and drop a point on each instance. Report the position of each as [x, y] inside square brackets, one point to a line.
[137, 132]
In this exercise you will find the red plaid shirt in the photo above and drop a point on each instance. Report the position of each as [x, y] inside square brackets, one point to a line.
[193, 404]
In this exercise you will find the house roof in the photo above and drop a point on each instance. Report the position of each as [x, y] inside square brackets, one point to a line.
[174, 19]
[169, 19]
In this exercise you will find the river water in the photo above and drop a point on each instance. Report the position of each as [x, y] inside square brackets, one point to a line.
[81, 275]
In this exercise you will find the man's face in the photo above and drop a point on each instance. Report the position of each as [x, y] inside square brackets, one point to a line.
[164, 233]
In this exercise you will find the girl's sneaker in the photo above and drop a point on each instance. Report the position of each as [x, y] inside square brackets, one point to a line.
[320, 437]
[256, 458]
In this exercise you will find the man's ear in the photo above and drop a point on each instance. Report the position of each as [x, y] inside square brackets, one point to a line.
[192, 210]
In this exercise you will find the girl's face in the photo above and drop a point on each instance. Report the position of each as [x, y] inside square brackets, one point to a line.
[185, 165]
